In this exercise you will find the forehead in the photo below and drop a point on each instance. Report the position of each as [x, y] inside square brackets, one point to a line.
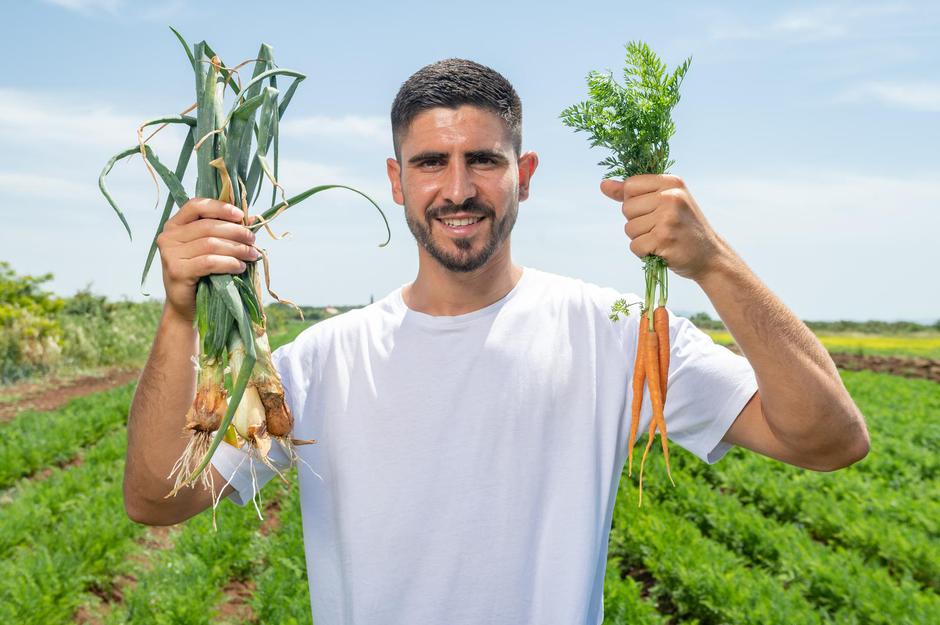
[466, 127]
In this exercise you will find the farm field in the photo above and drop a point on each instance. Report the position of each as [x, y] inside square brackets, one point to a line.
[915, 345]
[747, 540]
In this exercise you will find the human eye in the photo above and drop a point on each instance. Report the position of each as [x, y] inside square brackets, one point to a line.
[485, 160]
[430, 162]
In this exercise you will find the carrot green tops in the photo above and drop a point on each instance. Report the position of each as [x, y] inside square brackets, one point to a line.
[466, 466]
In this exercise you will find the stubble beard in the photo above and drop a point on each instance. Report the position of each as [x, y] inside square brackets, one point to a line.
[463, 260]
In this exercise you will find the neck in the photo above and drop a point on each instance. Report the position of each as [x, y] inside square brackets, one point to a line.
[440, 292]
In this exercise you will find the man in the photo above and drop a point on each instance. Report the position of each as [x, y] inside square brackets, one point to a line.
[471, 424]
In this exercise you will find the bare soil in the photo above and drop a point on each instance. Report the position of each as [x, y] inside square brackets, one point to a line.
[54, 392]
[904, 366]
[235, 606]
[924, 368]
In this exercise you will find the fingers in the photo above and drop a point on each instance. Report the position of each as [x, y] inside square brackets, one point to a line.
[634, 207]
[214, 246]
[639, 185]
[638, 226]
[211, 228]
[201, 208]
[647, 183]
[644, 245]
[612, 189]
[205, 237]
[209, 264]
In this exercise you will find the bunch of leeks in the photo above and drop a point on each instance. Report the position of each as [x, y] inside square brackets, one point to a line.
[232, 158]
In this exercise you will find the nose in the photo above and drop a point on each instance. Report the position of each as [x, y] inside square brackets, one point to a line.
[458, 185]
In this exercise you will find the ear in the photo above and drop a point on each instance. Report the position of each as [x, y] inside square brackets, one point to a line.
[394, 177]
[528, 162]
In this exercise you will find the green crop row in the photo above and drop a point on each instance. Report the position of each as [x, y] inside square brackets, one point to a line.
[62, 535]
[34, 440]
[704, 580]
[841, 582]
[828, 506]
[282, 593]
[904, 550]
[185, 584]
[623, 601]
[868, 495]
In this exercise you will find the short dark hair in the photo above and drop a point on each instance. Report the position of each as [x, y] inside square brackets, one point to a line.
[451, 83]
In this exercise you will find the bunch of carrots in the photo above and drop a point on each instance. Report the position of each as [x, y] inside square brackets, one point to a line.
[651, 364]
[634, 121]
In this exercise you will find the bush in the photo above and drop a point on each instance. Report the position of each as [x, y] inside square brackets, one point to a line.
[107, 333]
[29, 328]
[41, 333]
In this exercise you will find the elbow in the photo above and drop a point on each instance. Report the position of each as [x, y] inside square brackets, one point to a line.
[137, 513]
[139, 510]
[849, 453]
[144, 511]
[859, 451]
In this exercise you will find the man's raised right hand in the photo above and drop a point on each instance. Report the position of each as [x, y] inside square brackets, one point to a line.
[205, 236]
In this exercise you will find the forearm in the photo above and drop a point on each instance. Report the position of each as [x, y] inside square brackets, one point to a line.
[155, 425]
[802, 396]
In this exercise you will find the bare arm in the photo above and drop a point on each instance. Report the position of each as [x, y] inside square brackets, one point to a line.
[204, 237]
[155, 429]
[802, 413]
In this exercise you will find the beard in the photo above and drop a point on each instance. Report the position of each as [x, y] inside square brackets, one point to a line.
[464, 259]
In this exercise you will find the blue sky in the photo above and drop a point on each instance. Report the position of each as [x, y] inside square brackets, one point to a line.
[807, 133]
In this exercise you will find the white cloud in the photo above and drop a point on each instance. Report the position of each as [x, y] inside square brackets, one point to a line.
[834, 203]
[818, 23]
[31, 185]
[297, 175]
[38, 119]
[85, 6]
[914, 95]
[372, 129]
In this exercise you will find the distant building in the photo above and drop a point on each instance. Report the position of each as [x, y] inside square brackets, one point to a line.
[330, 310]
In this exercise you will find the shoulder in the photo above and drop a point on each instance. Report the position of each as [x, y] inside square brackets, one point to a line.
[583, 294]
[343, 328]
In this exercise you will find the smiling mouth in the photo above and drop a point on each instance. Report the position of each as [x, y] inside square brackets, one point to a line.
[464, 225]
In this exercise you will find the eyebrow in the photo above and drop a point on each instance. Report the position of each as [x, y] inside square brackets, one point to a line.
[424, 156]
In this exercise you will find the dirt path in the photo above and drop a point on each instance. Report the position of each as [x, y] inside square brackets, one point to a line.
[907, 367]
[923, 368]
[55, 392]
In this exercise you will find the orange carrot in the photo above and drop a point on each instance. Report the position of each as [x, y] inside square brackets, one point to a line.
[656, 396]
[661, 325]
[649, 442]
[639, 377]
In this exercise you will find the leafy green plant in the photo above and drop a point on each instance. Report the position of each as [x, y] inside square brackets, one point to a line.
[634, 120]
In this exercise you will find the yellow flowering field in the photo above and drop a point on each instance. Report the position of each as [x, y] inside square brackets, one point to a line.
[919, 344]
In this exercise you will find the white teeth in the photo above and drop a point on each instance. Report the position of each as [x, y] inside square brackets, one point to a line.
[461, 222]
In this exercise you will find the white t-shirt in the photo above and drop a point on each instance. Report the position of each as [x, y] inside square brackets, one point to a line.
[466, 466]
